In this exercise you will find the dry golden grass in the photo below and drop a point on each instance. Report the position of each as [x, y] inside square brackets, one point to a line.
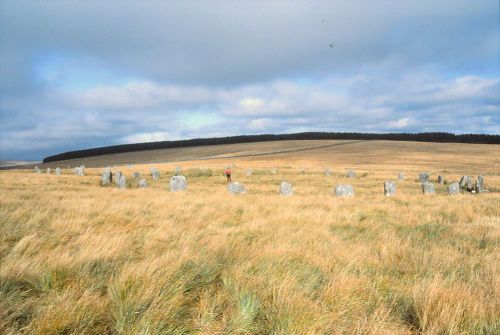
[78, 258]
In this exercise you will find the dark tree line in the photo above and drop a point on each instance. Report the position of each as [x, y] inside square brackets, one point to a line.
[419, 137]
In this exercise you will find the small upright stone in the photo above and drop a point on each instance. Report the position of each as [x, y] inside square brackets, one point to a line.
[178, 184]
[106, 178]
[122, 182]
[440, 180]
[389, 188]
[58, 171]
[48, 170]
[136, 175]
[142, 183]
[428, 188]
[249, 172]
[401, 176]
[178, 170]
[423, 177]
[37, 170]
[466, 183]
[453, 188]
[480, 184]
[328, 172]
[351, 174]
[343, 190]
[236, 188]
[286, 188]
[155, 174]
[117, 177]
[79, 171]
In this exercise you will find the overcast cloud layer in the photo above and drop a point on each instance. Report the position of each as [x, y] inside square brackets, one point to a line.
[82, 74]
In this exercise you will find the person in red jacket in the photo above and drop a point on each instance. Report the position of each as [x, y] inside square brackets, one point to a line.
[227, 172]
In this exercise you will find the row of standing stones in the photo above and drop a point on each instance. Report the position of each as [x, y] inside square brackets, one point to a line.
[178, 183]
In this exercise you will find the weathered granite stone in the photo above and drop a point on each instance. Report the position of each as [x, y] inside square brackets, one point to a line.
[480, 184]
[440, 180]
[155, 174]
[136, 175]
[106, 178]
[79, 171]
[401, 176]
[351, 174]
[249, 172]
[328, 172]
[286, 188]
[453, 188]
[343, 190]
[142, 183]
[428, 188]
[466, 183]
[48, 170]
[389, 188]
[236, 188]
[117, 177]
[122, 182]
[178, 170]
[423, 177]
[58, 171]
[178, 184]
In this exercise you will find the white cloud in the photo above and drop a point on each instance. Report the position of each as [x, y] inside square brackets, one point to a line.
[399, 124]
[148, 137]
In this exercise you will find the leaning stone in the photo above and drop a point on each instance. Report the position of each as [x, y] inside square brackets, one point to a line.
[48, 170]
[58, 171]
[428, 188]
[328, 172]
[480, 184]
[440, 180]
[351, 174]
[122, 182]
[117, 177]
[136, 175]
[286, 188]
[106, 178]
[343, 190]
[178, 170]
[401, 176]
[389, 188]
[178, 184]
[249, 172]
[453, 188]
[423, 177]
[142, 183]
[236, 188]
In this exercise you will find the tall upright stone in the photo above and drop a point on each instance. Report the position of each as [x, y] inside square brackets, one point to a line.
[236, 188]
[118, 175]
[453, 189]
[106, 178]
[37, 170]
[389, 188]
[401, 176]
[466, 183]
[48, 170]
[440, 180]
[328, 172]
[122, 182]
[351, 174]
[58, 171]
[423, 177]
[480, 188]
[286, 189]
[178, 184]
[428, 188]
[142, 183]
[341, 190]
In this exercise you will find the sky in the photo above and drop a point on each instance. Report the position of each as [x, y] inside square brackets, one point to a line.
[80, 74]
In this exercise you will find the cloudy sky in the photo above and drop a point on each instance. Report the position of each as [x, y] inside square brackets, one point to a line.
[78, 74]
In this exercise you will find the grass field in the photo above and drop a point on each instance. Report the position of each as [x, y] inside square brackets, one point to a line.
[78, 258]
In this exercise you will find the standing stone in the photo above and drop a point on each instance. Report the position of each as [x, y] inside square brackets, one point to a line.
[136, 175]
[37, 170]
[453, 188]
[351, 174]
[155, 173]
[118, 175]
[389, 188]
[328, 172]
[178, 184]
[401, 176]
[480, 184]
[236, 188]
[428, 188]
[440, 180]
[249, 172]
[58, 171]
[106, 178]
[286, 188]
[122, 182]
[343, 190]
[466, 183]
[142, 183]
[423, 177]
[48, 170]
[303, 170]
[178, 170]
[79, 171]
